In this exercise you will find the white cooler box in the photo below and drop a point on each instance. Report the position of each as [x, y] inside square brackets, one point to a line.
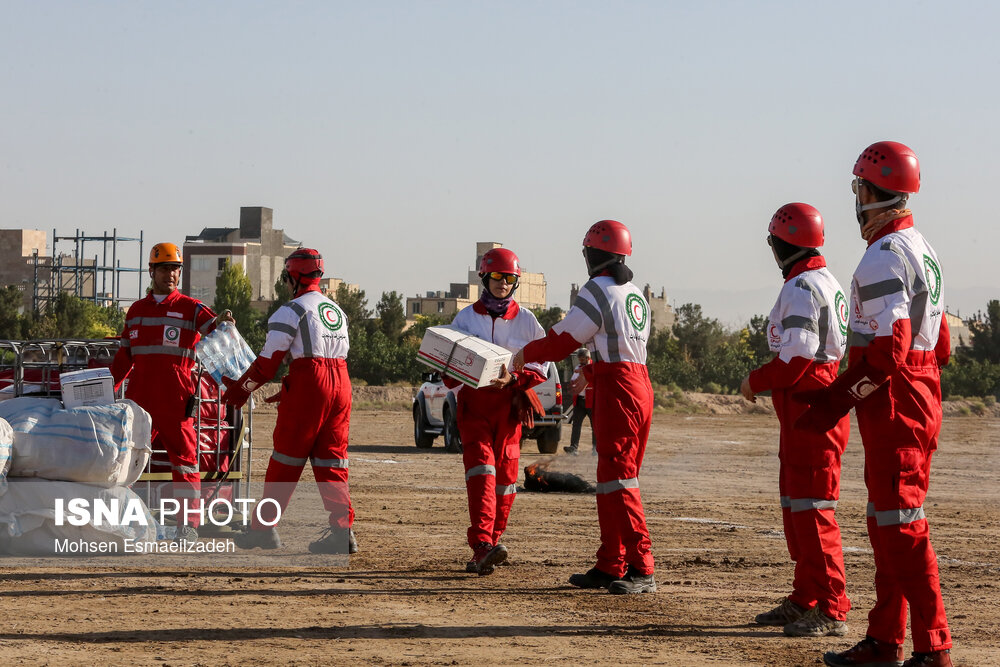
[470, 360]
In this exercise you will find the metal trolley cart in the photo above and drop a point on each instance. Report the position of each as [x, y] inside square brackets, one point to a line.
[225, 434]
[225, 444]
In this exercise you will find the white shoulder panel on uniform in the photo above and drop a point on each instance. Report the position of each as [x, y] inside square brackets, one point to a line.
[612, 319]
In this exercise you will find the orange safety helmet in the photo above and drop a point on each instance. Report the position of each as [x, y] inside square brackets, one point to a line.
[165, 253]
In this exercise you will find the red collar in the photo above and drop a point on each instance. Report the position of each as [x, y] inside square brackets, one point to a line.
[511, 313]
[899, 223]
[810, 264]
[307, 288]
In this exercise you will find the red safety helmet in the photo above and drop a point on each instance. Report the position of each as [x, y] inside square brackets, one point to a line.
[891, 166]
[798, 224]
[302, 262]
[501, 260]
[609, 235]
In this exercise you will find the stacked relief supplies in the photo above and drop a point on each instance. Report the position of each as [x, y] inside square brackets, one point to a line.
[68, 477]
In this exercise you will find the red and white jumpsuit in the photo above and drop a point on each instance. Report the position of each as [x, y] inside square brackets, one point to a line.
[314, 412]
[157, 354]
[898, 327]
[614, 322]
[489, 426]
[808, 329]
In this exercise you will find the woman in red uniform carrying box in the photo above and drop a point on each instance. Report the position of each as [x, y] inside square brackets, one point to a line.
[489, 418]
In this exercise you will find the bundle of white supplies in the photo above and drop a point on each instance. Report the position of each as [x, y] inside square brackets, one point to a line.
[39, 518]
[105, 445]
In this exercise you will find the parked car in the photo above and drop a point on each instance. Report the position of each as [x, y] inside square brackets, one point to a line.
[434, 414]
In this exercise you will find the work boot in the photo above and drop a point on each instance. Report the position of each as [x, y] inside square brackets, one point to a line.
[331, 541]
[931, 659]
[592, 578]
[352, 543]
[869, 652]
[633, 582]
[487, 557]
[186, 534]
[786, 612]
[816, 624]
[262, 539]
[570, 450]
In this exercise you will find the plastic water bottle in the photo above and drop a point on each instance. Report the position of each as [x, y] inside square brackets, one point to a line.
[211, 355]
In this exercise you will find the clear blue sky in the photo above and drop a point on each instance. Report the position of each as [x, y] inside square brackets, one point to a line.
[394, 135]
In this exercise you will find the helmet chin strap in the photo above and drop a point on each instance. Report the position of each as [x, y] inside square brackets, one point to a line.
[591, 270]
[859, 208]
[783, 264]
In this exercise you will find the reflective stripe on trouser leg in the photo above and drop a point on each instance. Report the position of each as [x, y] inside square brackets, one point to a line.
[282, 475]
[624, 537]
[480, 486]
[906, 568]
[506, 491]
[331, 479]
[329, 457]
[906, 575]
[179, 440]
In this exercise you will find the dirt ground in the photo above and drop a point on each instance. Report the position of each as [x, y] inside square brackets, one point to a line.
[710, 492]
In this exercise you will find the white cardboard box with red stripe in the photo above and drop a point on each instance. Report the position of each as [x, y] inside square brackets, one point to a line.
[470, 360]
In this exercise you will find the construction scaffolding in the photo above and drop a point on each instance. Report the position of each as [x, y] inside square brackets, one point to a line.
[83, 277]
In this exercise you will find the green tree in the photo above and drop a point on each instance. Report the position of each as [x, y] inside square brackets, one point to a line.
[354, 303]
[548, 316]
[233, 292]
[11, 321]
[985, 334]
[695, 333]
[391, 315]
[72, 317]
[756, 339]
[282, 295]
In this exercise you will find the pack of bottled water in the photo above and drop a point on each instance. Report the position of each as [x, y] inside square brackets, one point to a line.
[224, 353]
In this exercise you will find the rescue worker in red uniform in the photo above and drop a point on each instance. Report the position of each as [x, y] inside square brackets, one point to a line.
[157, 355]
[314, 409]
[611, 316]
[899, 340]
[807, 331]
[489, 418]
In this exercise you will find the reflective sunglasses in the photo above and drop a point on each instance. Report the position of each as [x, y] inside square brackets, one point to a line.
[856, 184]
[508, 278]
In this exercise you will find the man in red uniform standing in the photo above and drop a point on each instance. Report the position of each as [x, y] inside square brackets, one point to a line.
[157, 354]
[807, 330]
[899, 340]
[314, 413]
[611, 316]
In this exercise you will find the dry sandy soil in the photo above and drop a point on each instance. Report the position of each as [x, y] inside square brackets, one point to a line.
[709, 486]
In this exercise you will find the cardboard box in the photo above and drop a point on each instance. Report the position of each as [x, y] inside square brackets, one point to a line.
[91, 386]
[470, 360]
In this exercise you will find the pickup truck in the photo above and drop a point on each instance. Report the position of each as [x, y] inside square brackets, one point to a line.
[434, 414]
